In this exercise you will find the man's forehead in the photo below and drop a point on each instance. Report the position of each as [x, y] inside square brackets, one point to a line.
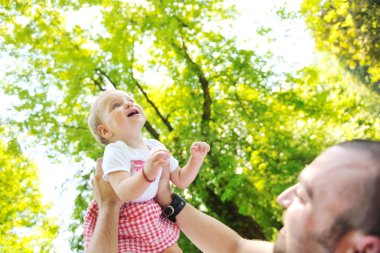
[338, 158]
[323, 166]
[335, 168]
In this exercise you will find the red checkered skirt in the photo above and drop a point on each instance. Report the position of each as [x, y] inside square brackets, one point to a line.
[142, 227]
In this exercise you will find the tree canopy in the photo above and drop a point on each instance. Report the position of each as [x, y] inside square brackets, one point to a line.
[194, 83]
[349, 30]
[24, 225]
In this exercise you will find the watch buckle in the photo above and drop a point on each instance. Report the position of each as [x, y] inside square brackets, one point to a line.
[169, 208]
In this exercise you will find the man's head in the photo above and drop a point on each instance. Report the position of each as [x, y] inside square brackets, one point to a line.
[335, 207]
[115, 116]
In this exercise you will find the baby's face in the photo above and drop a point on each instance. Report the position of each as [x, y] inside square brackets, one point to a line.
[121, 116]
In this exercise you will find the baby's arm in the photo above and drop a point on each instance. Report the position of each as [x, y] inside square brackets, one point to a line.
[182, 178]
[128, 187]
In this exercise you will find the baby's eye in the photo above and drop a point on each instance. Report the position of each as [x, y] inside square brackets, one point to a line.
[116, 105]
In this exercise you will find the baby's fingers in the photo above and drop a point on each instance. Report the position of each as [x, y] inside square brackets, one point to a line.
[160, 162]
[160, 153]
[206, 147]
[203, 147]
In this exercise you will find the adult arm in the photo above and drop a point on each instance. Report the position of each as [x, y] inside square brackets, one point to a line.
[105, 236]
[210, 235]
[207, 233]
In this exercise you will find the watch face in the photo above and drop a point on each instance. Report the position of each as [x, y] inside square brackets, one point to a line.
[169, 210]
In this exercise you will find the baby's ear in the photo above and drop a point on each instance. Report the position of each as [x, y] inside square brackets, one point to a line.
[104, 132]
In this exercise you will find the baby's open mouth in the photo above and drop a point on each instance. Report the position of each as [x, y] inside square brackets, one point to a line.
[134, 112]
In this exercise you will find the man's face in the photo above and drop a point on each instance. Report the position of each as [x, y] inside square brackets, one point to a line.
[326, 189]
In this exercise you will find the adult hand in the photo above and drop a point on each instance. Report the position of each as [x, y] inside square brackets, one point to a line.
[103, 193]
[164, 193]
[102, 237]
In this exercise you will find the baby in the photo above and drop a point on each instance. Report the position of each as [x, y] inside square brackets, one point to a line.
[133, 165]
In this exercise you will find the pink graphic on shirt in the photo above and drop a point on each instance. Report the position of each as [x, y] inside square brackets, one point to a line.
[136, 165]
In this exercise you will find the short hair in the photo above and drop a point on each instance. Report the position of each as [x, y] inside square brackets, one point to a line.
[372, 147]
[94, 119]
[364, 214]
[369, 205]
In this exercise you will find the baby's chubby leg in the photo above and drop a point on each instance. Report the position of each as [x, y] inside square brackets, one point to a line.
[173, 249]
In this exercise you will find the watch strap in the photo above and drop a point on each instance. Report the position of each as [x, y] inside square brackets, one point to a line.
[171, 211]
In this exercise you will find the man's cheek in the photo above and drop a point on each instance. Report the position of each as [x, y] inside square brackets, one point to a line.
[294, 220]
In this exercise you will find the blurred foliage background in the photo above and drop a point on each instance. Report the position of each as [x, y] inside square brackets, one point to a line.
[195, 83]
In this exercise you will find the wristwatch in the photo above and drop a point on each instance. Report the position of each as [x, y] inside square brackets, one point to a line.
[171, 211]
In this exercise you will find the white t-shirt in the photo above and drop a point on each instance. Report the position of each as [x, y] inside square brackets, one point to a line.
[118, 156]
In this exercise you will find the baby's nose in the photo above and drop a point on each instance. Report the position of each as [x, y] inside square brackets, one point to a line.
[128, 104]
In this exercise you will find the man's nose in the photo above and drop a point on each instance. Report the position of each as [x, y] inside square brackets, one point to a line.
[286, 197]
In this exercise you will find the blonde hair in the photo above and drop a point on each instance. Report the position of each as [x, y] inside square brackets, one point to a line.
[94, 119]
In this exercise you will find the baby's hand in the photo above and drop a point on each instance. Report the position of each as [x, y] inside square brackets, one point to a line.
[159, 158]
[199, 150]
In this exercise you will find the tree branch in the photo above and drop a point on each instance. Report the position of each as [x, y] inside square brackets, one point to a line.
[164, 120]
[229, 212]
[206, 115]
[99, 85]
[138, 85]
[105, 78]
[151, 130]
[181, 22]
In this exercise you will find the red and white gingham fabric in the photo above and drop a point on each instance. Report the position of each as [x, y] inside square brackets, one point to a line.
[142, 227]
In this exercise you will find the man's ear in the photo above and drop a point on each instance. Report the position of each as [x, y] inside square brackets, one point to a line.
[104, 132]
[367, 243]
